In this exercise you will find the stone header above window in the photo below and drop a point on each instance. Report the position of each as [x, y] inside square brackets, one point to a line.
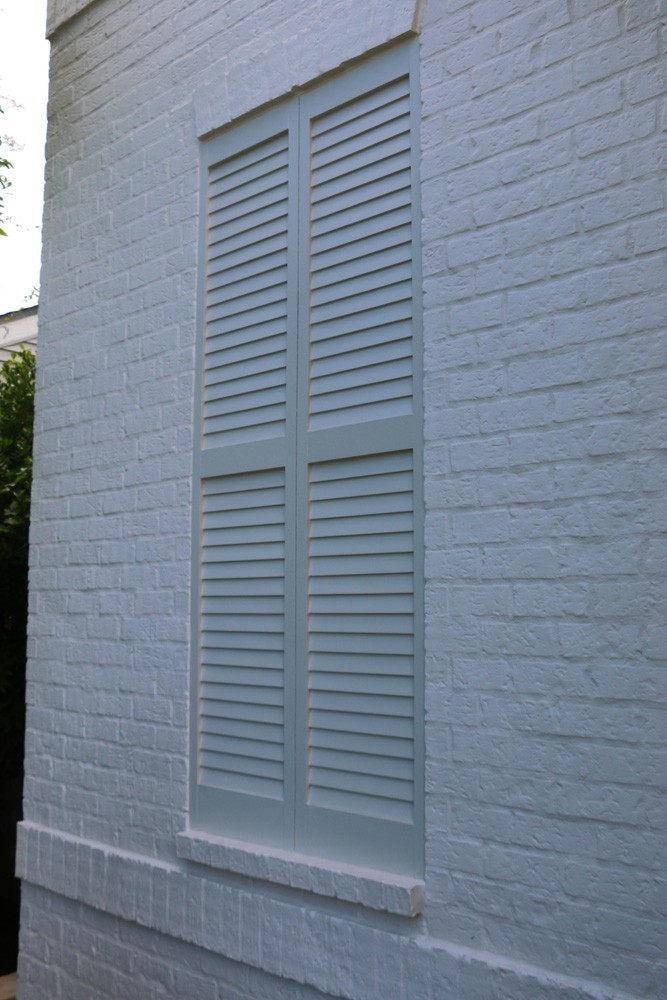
[339, 33]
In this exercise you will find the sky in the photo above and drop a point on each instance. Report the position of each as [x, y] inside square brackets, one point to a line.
[24, 59]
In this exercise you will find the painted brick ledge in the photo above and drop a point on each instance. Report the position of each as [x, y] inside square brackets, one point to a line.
[233, 922]
[377, 890]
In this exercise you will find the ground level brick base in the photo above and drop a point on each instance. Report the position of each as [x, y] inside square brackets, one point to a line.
[172, 933]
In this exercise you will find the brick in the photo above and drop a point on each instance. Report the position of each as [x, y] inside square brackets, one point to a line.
[627, 126]
[632, 50]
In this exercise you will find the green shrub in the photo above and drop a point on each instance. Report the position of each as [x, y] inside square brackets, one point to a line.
[17, 392]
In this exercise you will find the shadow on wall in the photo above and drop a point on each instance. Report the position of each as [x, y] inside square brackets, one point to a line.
[10, 813]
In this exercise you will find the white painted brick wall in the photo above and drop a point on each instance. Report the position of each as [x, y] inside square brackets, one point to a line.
[544, 267]
[544, 328]
[117, 961]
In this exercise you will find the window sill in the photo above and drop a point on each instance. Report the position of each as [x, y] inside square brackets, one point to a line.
[399, 894]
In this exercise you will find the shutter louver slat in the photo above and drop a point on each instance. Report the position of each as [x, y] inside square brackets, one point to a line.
[378, 140]
[252, 227]
[361, 636]
[378, 173]
[246, 292]
[352, 297]
[237, 314]
[238, 287]
[391, 348]
[247, 242]
[361, 683]
[354, 379]
[389, 215]
[339, 760]
[245, 351]
[247, 164]
[338, 725]
[364, 645]
[244, 259]
[335, 337]
[223, 336]
[363, 106]
[252, 373]
[356, 410]
[264, 393]
[391, 664]
[244, 718]
[332, 273]
[366, 282]
[356, 164]
[225, 744]
[242, 642]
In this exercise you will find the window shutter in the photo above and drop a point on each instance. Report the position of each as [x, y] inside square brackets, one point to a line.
[359, 473]
[242, 769]
[307, 687]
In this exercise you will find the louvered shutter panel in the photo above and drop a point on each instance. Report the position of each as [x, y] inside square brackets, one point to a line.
[242, 761]
[242, 632]
[361, 635]
[361, 260]
[359, 475]
[246, 296]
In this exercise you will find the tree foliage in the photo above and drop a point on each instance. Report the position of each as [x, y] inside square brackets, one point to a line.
[4, 183]
[17, 391]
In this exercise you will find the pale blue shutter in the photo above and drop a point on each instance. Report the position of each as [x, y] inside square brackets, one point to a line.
[359, 470]
[243, 692]
[307, 687]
